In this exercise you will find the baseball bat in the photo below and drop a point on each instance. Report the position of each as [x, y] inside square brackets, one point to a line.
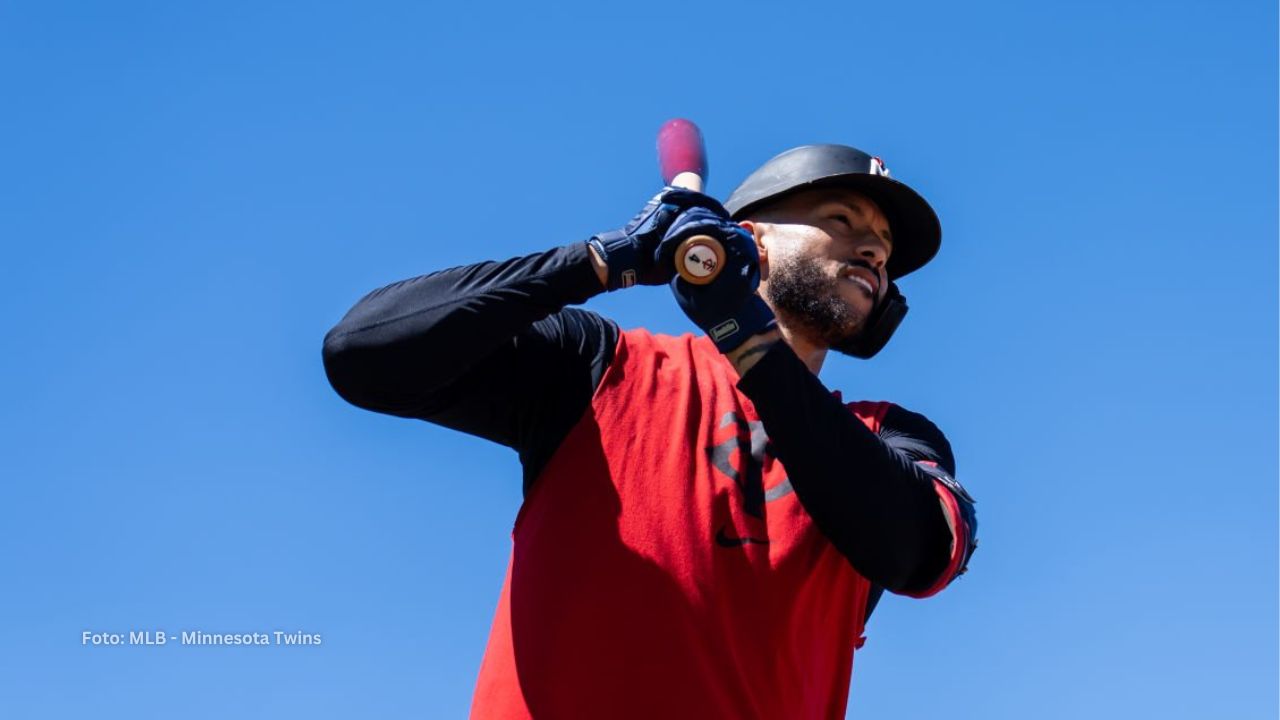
[682, 159]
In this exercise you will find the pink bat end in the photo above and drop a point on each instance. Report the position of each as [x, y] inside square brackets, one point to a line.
[680, 150]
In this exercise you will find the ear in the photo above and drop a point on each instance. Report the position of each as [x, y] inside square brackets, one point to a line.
[757, 231]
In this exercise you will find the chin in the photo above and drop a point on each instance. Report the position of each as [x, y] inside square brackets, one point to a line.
[858, 303]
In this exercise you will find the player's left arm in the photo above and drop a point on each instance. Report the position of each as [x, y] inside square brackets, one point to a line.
[888, 502]
[890, 506]
[913, 435]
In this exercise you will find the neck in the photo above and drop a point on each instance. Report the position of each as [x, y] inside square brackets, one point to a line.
[810, 353]
[749, 353]
[746, 355]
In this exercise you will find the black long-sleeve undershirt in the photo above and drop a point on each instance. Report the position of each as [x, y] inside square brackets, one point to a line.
[870, 498]
[487, 349]
[491, 349]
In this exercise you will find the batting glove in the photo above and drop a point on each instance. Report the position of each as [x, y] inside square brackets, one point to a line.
[727, 308]
[631, 253]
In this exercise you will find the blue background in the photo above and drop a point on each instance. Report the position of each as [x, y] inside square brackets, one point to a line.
[192, 194]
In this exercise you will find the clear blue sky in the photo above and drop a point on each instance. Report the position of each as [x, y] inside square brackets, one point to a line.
[192, 194]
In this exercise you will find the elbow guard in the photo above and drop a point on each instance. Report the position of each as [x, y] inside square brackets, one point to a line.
[961, 519]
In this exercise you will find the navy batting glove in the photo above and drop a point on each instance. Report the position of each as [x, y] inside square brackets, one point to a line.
[631, 253]
[727, 308]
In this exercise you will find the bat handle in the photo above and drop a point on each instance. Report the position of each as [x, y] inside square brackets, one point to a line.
[699, 258]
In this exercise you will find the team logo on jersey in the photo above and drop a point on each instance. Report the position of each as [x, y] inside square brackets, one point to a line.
[750, 444]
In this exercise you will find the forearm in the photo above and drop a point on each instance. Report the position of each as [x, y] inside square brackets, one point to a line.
[402, 342]
[745, 356]
[600, 266]
[874, 504]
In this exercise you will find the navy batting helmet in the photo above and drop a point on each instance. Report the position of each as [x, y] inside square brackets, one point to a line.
[916, 231]
[915, 228]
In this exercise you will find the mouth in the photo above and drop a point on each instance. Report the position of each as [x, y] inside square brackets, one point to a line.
[863, 278]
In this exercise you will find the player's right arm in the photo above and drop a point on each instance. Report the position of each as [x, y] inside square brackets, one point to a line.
[489, 349]
[492, 349]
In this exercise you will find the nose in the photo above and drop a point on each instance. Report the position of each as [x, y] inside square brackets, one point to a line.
[874, 250]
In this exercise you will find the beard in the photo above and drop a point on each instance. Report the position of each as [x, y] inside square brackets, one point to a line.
[809, 299]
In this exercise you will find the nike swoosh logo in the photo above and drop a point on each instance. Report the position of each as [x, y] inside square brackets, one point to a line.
[723, 540]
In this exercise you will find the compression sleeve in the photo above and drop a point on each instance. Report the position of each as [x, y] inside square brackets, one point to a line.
[488, 349]
[876, 504]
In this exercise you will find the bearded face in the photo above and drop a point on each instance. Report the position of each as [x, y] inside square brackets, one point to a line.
[826, 264]
[804, 292]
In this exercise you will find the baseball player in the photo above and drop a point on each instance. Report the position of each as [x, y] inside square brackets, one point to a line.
[706, 527]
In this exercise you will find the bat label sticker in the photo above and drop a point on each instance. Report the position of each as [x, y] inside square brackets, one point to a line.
[700, 260]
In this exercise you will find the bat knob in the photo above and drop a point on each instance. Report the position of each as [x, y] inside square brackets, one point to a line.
[698, 259]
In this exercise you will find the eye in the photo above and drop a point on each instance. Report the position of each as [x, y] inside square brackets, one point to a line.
[843, 218]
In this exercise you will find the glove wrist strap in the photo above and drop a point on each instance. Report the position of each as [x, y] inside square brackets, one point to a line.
[621, 257]
[752, 318]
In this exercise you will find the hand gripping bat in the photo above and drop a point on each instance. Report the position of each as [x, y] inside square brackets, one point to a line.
[682, 158]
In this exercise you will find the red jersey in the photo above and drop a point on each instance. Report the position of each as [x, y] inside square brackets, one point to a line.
[647, 580]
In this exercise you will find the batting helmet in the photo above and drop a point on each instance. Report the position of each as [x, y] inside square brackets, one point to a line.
[915, 228]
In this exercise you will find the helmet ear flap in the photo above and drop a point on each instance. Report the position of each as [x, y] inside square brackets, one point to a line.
[879, 327]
